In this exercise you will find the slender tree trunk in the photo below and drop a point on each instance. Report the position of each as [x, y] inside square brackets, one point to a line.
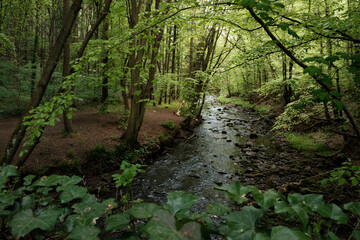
[105, 86]
[20, 129]
[68, 125]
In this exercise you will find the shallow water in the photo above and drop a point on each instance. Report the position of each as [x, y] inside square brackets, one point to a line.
[212, 157]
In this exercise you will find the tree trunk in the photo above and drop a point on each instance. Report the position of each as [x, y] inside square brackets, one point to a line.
[68, 126]
[105, 82]
[20, 129]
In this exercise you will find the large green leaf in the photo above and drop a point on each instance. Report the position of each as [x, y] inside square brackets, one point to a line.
[72, 192]
[243, 222]
[6, 200]
[5, 172]
[353, 207]
[217, 209]
[89, 207]
[84, 233]
[237, 191]
[299, 211]
[25, 221]
[314, 201]
[179, 203]
[65, 182]
[267, 199]
[163, 226]
[48, 181]
[334, 212]
[313, 71]
[143, 210]
[285, 233]
[117, 221]
[356, 235]
[261, 236]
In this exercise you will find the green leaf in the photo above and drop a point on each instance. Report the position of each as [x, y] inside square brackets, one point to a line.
[117, 222]
[261, 236]
[338, 104]
[25, 221]
[332, 236]
[357, 79]
[65, 182]
[5, 172]
[356, 235]
[143, 210]
[299, 106]
[237, 191]
[6, 200]
[332, 58]
[179, 203]
[89, 207]
[279, 5]
[263, 6]
[285, 233]
[163, 226]
[28, 179]
[248, 3]
[293, 33]
[283, 26]
[267, 199]
[217, 209]
[314, 201]
[334, 212]
[243, 222]
[299, 211]
[84, 233]
[335, 93]
[312, 71]
[353, 207]
[71, 193]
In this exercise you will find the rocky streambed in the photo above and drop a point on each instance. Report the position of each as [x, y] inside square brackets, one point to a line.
[232, 144]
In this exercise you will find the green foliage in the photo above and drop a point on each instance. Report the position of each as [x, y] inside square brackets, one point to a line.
[236, 101]
[348, 173]
[125, 179]
[168, 125]
[305, 142]
[49, 206]
[56, 206]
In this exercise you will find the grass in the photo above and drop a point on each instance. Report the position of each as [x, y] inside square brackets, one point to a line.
[264, 109]
[235, 100]
[307, 143]
[174, 105]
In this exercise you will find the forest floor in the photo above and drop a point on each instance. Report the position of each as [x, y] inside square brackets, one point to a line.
[93, 129]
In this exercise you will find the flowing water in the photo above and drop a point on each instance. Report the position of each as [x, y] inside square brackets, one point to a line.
[228, 137]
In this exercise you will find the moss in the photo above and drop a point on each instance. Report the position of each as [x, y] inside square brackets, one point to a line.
[307, 143]
[264, 108]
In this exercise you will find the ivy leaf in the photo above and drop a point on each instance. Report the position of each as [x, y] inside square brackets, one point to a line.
[267, 199]
[332, 236]
[314, 201]
[143, 210]
[163, 226]
[217, 209]
[5, 172]
[299, 211]
[237, 191]
[25, 221]
[71, 193]
[353, 207]
[28, 179]
[117, 221]
[261, 236]
[84, 233]
[243, 222]
[285, 233]
[356, 235]
[334, 212]
[179, 203]
[5, 201]
[89, 207]
[313, 71]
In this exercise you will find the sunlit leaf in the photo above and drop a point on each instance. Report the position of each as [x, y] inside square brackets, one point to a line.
[179, 203]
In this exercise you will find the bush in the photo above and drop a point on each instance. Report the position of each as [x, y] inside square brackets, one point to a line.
[168, 125]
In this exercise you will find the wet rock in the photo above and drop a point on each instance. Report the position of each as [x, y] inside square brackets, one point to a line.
[195, 175]
[224, 132]
[232, 157]
[218, 182]
[253, 135]
[215, 156]
[250, 153]
[229, 140]
[249, 170]
[224, 137]
[274, 169]
[230, 124]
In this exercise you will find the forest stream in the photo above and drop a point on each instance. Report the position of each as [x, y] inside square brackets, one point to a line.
[231, 144]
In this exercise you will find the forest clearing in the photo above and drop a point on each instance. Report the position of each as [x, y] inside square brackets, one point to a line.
[166, 119]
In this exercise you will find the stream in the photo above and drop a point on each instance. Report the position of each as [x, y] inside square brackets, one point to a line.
[231, 144]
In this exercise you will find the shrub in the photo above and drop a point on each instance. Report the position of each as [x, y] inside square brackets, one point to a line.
[168, 125]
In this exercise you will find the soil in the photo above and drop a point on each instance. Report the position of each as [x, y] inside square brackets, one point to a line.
[91, 129]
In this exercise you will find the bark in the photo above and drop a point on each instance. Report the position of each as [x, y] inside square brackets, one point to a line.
[68, 126]
[20, 129]
[79, 54]
[105, 87]
[303, 65]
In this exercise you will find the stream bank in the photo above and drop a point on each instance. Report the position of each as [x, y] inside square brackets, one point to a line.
[233, 144]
